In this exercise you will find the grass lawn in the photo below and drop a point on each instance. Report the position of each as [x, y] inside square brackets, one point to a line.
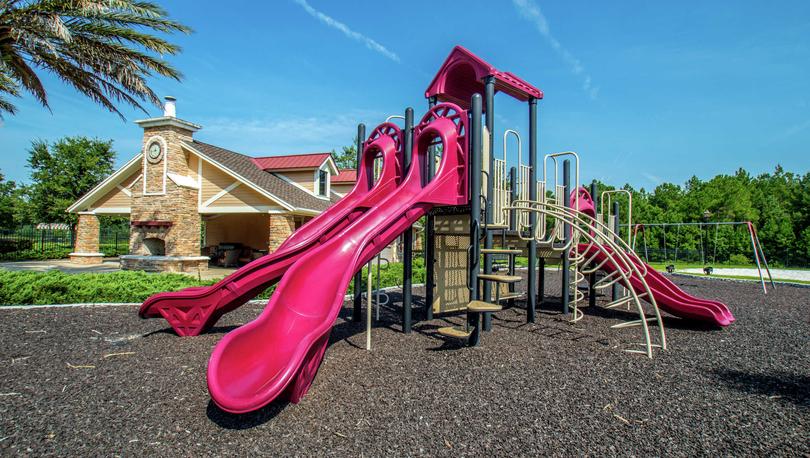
[751, 278]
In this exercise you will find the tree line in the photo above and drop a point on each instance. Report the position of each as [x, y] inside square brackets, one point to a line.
[778, 203]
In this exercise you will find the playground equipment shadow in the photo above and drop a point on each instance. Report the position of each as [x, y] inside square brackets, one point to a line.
[98, 380]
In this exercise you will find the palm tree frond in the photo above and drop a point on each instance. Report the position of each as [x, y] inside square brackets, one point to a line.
[105, 49]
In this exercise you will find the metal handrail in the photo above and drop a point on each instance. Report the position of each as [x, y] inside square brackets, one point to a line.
[388, 119]
[553, 157]
[540, 236]
[609, 208]
[609, 232]
[377, 292]
[520, 144]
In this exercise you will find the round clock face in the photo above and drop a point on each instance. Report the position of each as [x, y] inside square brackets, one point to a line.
[154, 151]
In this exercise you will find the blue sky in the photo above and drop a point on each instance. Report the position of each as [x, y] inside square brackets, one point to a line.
[644, 91]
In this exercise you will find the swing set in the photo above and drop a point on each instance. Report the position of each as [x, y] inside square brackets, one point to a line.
[704, 227]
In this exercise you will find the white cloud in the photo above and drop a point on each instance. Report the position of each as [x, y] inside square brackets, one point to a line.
[290, 135]
[795, 129]
[357, 36]
[531, 11]
[655, 179]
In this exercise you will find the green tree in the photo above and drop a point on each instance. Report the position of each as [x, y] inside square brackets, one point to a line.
[346, 158]
[8, 194]
[14, 208]
[105, 49]
[64, 171]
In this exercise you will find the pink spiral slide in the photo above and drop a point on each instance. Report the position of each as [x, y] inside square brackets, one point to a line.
[194, 310]
[278, 354]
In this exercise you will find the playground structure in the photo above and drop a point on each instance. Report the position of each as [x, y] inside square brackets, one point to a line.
[756, 246]
[444, 168]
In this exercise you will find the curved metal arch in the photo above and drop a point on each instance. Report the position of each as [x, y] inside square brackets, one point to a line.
[625, 251]
[616, 256]
[609, 232]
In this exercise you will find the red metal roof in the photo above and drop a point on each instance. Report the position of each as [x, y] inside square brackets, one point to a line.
[345, 176]
[462, 74]
[292, 161]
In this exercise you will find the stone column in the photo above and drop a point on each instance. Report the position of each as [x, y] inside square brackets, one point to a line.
[281, 227]
[87, 234]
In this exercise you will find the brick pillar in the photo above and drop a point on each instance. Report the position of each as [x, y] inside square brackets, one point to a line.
[281, 227]
[87, 233]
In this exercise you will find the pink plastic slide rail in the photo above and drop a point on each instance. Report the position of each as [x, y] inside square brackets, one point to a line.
[278, 354]
[194, 310]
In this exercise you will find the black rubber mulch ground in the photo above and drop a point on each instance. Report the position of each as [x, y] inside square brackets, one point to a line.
[100, 381]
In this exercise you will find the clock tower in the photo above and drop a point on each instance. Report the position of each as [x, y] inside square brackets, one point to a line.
[164, 216]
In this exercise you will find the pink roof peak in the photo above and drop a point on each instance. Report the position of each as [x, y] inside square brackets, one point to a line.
[462, 74]
[291, 161]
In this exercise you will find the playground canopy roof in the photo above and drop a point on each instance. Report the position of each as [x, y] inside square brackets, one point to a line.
[462, 74]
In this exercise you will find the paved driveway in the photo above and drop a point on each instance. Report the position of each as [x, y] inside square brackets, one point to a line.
[778, 274]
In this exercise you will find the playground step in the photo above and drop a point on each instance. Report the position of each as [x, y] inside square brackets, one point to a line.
[454, 332]
[499, 278]
[482, 307]
[499, 251]
[505, 297]
[548, 253]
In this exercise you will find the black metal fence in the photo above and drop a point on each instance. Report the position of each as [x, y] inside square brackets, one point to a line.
[114, 241]
[55, 241]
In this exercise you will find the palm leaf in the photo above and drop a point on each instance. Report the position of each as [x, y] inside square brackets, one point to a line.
[105, 49]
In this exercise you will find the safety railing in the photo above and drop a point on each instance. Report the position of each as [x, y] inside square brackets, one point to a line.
[377, 293]
[500, 191]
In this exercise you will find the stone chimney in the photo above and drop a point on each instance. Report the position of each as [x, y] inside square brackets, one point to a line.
[164, 217]
[170, 107]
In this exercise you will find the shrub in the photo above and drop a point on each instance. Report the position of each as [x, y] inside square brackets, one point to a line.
[738, 259]
[54, 287]
[35, 254]
[24, 288]
[10, 246]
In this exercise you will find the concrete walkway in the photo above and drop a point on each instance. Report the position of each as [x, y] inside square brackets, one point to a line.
[778, 274]
[108, 265]
[62, 265]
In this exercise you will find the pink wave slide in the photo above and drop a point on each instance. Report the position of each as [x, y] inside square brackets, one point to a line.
[194, 310]
[669, 297]
[278, 354]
